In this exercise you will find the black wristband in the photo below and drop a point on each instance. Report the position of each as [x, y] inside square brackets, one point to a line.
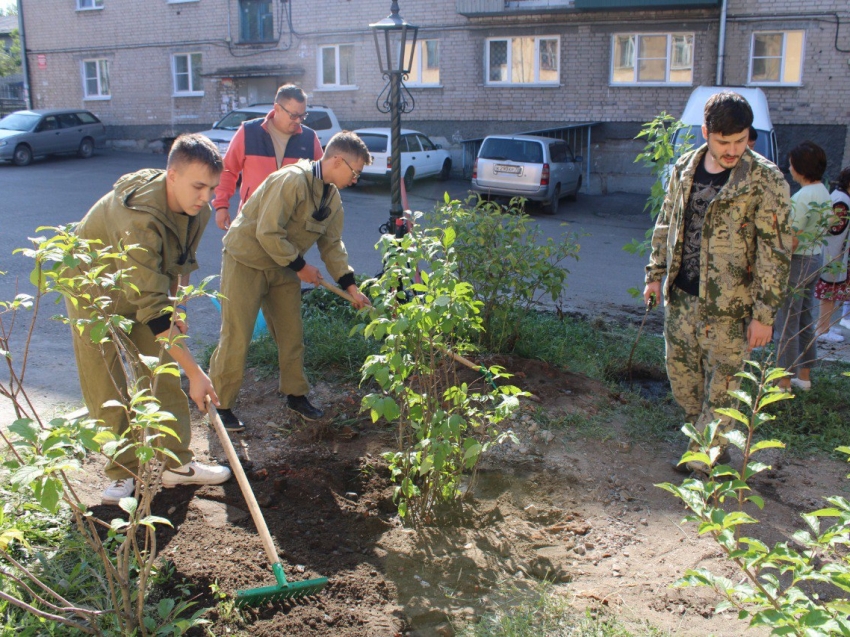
[297, 264]
[159, 324]
[346, 279]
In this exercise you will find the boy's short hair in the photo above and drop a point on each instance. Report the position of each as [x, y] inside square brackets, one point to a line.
[290, 92]
[348, 143]
[195, 147]
[809, 160]
[727, 113]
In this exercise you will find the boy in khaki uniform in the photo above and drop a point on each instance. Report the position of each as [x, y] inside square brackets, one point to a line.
[164, 213]
[263, 264]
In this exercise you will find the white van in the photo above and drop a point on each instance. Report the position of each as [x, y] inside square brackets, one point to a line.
[693, 118]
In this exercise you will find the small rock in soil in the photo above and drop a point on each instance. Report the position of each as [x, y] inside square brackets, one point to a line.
[264, 501]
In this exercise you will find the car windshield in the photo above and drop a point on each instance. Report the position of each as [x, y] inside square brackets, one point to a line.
[19, 121]
[234, 119]
[518, 150]
[376, 143]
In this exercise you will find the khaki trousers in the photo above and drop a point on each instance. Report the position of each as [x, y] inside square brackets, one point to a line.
[102, 378]
[245, 290]
[702, 360]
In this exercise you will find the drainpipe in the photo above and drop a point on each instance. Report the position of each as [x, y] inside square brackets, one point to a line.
[721, 45]
[24, 65]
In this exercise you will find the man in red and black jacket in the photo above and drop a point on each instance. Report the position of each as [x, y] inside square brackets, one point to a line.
[262, 146]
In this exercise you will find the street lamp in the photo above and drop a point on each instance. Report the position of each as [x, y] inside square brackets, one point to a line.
[394, 33]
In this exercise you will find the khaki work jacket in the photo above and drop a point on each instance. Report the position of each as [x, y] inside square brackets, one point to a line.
[277, 225]
[136, 212]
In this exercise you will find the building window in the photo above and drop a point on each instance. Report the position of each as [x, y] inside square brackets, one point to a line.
[425, 70]
[777, 58]
[96, 79]
[652, 58]
[336, 66]
[530, 60]
[186, 68]
[87, 5]
[256, 21]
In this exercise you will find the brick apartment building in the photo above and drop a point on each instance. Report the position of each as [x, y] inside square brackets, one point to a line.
[151, 69]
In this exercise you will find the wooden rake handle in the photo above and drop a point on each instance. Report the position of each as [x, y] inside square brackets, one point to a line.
[244, 485]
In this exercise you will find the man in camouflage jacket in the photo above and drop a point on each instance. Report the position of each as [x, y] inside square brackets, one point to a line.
[723, 241]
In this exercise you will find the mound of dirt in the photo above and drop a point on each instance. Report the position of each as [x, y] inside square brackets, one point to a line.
[584, 514]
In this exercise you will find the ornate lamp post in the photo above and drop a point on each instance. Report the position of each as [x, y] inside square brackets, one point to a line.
[394, 38]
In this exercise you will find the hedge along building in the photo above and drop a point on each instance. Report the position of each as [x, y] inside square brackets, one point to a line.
[154, 69]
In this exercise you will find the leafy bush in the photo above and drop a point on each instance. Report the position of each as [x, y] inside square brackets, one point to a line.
[112, 577]
[423, 321]
[774, 591]
[509, 265]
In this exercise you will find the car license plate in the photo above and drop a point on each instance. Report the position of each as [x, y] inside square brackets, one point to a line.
[505, 168]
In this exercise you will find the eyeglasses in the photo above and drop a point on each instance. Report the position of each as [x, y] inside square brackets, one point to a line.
[294, 116]
[353, 172]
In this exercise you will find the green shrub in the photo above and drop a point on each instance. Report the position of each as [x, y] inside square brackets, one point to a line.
[510, 266]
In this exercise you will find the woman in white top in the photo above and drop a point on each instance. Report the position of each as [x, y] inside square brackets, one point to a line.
[834, 286]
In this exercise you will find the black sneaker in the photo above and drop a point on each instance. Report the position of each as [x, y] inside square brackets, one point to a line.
[230, 421]
[301, 406]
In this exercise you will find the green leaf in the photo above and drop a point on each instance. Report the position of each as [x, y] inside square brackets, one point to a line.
[767, 444]
[165, 607]
[26, 429]
[768, 399]
[128, 504]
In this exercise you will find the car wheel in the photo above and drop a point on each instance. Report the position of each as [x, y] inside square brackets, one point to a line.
[22, 156]
[86, 149]
[551, 207]
[408, 179]
[446, 170]
[574, 194]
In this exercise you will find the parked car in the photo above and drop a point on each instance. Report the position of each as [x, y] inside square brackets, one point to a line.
[540, 169]
[25, 135]
[420, 157]
[320, 118]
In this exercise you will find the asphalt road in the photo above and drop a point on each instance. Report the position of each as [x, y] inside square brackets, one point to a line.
[60, 190]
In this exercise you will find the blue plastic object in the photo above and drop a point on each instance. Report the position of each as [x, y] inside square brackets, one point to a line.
[260, 328]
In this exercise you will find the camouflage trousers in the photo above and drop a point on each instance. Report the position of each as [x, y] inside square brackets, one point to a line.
[702, 360]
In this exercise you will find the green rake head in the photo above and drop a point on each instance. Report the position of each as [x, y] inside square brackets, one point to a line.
[283, 590]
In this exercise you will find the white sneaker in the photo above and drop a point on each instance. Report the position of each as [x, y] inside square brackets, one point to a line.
[804, 385]
[845, 323]
[195, 473]
[832, 336]
[117, 490]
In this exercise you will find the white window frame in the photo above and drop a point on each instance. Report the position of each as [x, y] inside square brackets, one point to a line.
[89, 5]
[536, 71]
[180, 1]
[668, 64]
[782, 58]
[419, 62]
[320, 79]
[100, 95]
[193, 91]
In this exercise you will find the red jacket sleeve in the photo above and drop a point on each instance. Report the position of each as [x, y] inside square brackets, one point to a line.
[234, 162]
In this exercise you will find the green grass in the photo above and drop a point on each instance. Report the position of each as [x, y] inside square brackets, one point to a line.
[817, 420]
[540, 611]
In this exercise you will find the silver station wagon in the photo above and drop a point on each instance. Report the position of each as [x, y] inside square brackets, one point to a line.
[25, 135]
[540, 169]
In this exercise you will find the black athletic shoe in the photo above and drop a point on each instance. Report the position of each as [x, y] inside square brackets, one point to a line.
[230, 421]
[301, 406]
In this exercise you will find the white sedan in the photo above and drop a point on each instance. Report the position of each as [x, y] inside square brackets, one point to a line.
[420, 157]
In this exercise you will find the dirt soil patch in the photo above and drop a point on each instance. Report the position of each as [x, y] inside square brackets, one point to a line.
[582, 513]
